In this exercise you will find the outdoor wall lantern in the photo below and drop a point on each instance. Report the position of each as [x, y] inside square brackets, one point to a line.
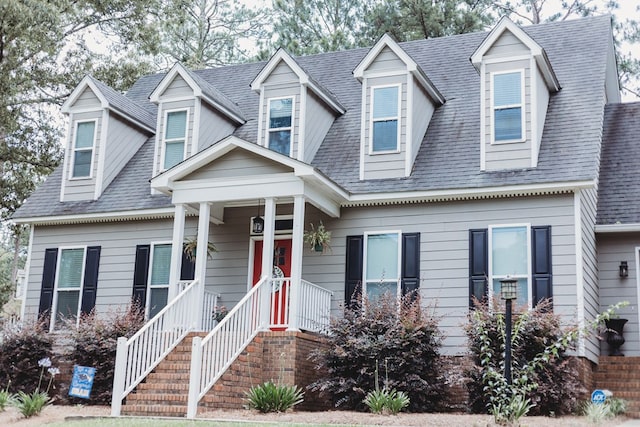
[508, 292]
[624, 269]
[257, 224]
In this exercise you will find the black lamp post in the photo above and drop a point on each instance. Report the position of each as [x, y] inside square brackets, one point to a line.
[508, 292]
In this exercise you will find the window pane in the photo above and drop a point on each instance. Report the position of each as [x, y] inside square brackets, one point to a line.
[385, 102]
[385, 135]
[509, 251]
[67, 307]
[157, 300]
[174, 154]
[176, 125]
[82, 163]
[506, 89]
[71, 268]
[523, 290]
[280, 141]
[378, 289]
[280, 113]
[161, 265]
[84, 138]
[508, 124]
[382, 257]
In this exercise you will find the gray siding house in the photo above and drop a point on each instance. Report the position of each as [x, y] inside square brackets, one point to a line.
[440, 166]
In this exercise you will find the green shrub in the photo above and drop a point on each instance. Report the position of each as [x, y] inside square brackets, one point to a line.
[596, 413]
[616, 405]
[30, 404]
[386, 401]
[22, 347]
[269, 397]
[95, 344]
[6, 398]
[405, 339]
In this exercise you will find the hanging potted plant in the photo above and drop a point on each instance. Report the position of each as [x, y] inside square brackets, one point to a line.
[191, 245]
[317, 238]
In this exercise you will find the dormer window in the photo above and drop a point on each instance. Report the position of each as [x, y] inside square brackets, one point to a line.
[385, 118]
[508, 106]
[83, 149]
[280, 124]
[174, 138]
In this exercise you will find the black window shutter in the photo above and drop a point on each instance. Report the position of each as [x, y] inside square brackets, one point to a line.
[188, 268]
[353, 271]
[478, 265]
[90, 285]
[410, 263]
[140, 274]
[48, 283]
[541, 263]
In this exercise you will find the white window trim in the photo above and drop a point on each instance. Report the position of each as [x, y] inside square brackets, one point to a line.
[147, 304]
[522, 104]
[398, 279]
[528, 276]
[54, 302]
[163, 144]
[379, 119]
[74, 149]
[289, 128]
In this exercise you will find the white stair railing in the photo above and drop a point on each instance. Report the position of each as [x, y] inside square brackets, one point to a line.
[140, 354]
[209, 305]
[314, 307]
[212, 355]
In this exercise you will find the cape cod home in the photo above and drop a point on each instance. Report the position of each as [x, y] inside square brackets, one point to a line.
[440, 166]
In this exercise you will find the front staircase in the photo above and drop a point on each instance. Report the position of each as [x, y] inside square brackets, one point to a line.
[621, 375]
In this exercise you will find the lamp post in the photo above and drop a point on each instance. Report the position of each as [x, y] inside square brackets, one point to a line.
[508, 292]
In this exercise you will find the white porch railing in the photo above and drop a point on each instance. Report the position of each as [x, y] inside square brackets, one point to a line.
[314, 307]
[211, 356]
[140, 354]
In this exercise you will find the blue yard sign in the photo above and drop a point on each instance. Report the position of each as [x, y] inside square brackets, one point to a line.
[82, 381]
[598, 396]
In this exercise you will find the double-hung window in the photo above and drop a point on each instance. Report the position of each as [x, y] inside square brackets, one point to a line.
[508, 106]
[509, 256]
[382, 264]
[158, 278]
[83, 149]
[385, 121]
[69, 284]
[175, 137]
[280, 125]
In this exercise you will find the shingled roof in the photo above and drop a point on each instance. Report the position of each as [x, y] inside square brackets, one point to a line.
[449, 156]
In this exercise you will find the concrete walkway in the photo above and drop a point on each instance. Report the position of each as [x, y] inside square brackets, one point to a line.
[630, 423]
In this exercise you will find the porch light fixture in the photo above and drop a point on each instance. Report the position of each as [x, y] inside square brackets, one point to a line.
[257, 227]
[508, 292]
[624, 269]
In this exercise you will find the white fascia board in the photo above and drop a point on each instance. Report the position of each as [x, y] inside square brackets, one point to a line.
[177, 68]
[385, 41]
[73, 97]
[280, 55]
[428, 86]
[322, 201]
[322, 95]
[224, 110]
[97, 217]
[467, 193]
[132, 120]
[618, 228]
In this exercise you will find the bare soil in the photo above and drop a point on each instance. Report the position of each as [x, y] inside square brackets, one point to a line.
[58, 413]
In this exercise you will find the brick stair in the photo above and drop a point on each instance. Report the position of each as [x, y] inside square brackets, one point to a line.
[164, 392]
[621, 375]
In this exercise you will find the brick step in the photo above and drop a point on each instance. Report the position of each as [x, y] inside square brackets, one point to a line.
[166, 377]
[178, 357]
[154, 410]
[162, 398]
[166, 386]
[173, 367]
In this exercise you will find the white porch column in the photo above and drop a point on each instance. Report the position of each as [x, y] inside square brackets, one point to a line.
[297, 248]
[201, 257]
[176, 251]
[267, 257]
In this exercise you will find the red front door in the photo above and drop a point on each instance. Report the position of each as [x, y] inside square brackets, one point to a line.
[281, 269]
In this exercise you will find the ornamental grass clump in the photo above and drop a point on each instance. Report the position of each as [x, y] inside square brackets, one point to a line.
[31, 404]
[385, 401]
[270, 397]
[6, 398]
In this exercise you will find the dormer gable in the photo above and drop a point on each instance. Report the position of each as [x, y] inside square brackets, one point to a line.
[105, 130]
[516, 80]
[398, 101]
[192, 114]
[295, 111]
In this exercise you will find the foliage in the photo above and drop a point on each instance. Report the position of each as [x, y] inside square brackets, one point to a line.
[597, 413]
[404, 338]
[21, 348]
[6, 398]
[219, 313]
[317, 237]
[190, 247]
[616, 405]
[95, 344]
[269, 397]
[31, 404]
[385, 401]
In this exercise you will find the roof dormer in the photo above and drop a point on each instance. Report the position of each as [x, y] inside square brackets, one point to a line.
[105, 131]
[516, 79]
[192, 114]
[295, 111]
[398, 100]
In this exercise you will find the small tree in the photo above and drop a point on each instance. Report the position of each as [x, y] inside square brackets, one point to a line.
[403, 341]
